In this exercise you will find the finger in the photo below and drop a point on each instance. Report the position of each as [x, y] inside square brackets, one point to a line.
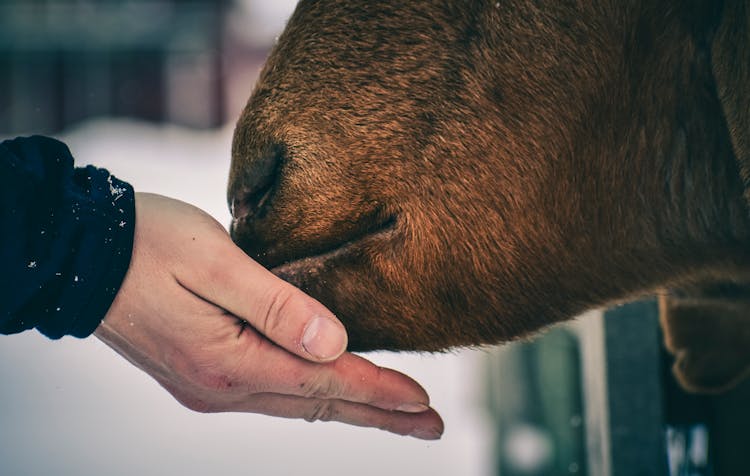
[426, 425]
[351, 378]
[275, 308]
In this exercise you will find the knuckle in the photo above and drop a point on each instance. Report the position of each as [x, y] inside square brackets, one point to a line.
[322, 410]
[321, 386]
[277, 308]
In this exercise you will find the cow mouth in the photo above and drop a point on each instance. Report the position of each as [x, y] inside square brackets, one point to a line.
[300, 269]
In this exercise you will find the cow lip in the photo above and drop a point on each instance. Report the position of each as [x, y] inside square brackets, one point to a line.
[315, 262]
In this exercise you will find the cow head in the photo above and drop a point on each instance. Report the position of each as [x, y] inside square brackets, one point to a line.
[446, 173]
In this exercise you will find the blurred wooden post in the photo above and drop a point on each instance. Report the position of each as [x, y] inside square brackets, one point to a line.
[623, 395]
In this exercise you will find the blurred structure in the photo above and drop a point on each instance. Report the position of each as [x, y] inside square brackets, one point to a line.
[535, 398]
[64, 61]
[598, 397]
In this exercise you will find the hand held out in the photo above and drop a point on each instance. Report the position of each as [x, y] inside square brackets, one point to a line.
[222, 333]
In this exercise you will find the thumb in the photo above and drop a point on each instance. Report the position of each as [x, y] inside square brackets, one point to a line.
[275, 308]
[294, 320]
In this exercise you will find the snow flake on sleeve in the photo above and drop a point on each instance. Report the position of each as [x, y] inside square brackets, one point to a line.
[115, 190]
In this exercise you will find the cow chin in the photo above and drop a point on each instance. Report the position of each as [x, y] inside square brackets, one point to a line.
[347, 281]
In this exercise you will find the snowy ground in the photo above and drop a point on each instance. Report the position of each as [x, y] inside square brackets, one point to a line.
[74, 407]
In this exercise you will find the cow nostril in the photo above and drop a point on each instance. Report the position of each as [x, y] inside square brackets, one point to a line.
[245, 205]
[253, 190]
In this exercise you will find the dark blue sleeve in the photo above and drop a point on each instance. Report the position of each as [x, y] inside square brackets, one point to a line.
[66, 237]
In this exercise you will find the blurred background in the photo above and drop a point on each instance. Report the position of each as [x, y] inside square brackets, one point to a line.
[151, 89]
[189, 63]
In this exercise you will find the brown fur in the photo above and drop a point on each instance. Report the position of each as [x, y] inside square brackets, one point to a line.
[496, 167]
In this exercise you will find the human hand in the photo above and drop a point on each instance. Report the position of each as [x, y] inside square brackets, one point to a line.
[221, 333]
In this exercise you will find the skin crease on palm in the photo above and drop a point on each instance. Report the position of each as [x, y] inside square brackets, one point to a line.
[221, 333]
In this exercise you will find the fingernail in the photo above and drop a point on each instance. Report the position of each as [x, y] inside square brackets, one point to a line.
[424, 434]
[324, 339]
[413, 408]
